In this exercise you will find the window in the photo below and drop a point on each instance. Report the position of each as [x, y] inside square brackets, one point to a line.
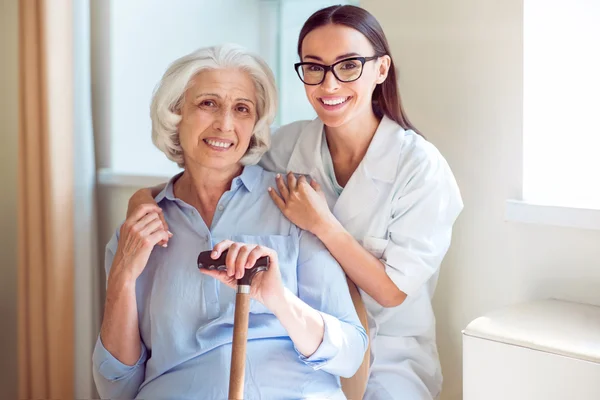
[133, 42]
[561, 103]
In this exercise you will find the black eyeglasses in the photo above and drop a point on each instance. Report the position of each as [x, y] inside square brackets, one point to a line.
[347, 70]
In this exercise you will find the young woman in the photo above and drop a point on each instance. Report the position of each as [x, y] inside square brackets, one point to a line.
[380, 197]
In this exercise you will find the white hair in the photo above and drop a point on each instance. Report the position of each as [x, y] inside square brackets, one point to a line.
[168, 96]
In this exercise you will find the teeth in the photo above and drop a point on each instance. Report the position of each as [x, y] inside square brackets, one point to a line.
[334, 102]
[218, 144]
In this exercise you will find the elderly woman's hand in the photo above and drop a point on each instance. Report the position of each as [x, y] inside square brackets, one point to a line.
[266, 286]
[137, 237]
[146, 196]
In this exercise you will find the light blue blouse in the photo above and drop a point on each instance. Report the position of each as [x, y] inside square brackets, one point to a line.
[186, 317]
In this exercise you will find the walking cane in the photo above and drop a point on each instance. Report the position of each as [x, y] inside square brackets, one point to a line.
[240, 321]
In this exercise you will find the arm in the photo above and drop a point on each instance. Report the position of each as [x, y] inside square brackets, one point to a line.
[419, 235]
[367, 271]
[321, 321]
[120, 355]
[322, 285]
[419, 230]
[143, 196]
[303, 323]
[305, 205]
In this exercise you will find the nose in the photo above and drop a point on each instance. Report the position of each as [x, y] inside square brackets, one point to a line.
[330, 82]
[224, 121]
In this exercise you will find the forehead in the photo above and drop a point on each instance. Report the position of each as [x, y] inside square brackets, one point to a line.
[228, 83]
[330, 41]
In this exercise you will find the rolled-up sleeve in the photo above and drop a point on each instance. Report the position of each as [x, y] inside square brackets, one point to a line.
[115, 380]
[420, 229]
[323, 286]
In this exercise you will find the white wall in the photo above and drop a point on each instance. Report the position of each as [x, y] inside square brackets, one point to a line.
[9, 96]
[461, 78]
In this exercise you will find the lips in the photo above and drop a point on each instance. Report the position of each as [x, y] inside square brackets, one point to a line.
[334, 101]
[218, 144]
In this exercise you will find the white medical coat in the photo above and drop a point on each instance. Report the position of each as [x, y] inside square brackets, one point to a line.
[400, 204]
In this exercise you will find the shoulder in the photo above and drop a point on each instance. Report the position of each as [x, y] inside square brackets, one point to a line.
[290, 132]
[398, 155]
[283, 143]
[416, 153]
[411, 162]
[424, 172]
[285, 137]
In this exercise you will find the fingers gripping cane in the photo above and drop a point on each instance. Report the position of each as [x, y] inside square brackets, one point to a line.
[240, 322]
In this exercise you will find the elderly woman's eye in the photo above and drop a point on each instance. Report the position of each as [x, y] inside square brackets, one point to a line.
[207, 103]
[244, 109]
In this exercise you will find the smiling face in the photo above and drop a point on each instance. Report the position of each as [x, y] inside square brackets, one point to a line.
[218, 113]
[337, 103]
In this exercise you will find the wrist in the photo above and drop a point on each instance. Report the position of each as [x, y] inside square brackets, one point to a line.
[278, 304]
[327, 228]
[119, 281]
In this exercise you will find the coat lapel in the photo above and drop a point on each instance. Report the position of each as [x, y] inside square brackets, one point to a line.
[306, 156]
[306, 159]
[377, 169]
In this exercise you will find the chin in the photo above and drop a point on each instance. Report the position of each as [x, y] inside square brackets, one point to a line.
[333, 121]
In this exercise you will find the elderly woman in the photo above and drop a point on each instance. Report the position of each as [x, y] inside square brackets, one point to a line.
[167, 327]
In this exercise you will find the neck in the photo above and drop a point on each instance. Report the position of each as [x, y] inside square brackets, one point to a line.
[203, 187]
[351, 140]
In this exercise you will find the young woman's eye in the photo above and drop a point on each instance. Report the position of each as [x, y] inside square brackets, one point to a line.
[314, 68]
[349, 65]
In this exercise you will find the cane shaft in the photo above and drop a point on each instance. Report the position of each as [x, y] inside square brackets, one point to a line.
[238, 350]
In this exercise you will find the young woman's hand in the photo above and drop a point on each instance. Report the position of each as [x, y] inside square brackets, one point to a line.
[266, 286]
[302, 203]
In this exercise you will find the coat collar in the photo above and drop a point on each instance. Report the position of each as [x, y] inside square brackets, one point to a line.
[379, 165]
[306, 156]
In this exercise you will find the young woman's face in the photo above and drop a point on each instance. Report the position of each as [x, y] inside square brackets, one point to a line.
[336, 102]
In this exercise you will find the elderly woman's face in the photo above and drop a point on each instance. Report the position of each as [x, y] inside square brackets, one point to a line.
[218, 117]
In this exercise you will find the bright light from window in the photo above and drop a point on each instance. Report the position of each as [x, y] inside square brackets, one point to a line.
[562, 102]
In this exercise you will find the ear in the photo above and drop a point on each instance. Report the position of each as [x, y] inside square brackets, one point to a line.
[384, 66]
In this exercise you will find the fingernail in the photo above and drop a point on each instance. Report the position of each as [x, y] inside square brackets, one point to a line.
[165, 245]
[213, 254]
[269, 188]
[278, 175]
[170, 234]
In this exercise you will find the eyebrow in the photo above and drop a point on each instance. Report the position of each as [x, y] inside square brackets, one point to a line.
[347, 55]
[218, 96]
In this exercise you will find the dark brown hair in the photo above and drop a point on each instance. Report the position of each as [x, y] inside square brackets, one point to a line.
[386, 98]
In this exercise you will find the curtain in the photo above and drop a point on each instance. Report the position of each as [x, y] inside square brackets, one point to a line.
[45, 206]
